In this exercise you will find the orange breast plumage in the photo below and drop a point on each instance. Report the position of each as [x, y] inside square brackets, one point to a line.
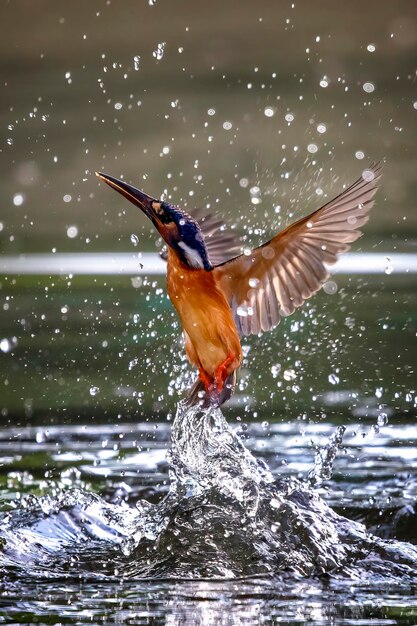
[206, 317]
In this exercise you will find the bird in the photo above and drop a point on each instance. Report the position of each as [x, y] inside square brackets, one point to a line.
[222, 294]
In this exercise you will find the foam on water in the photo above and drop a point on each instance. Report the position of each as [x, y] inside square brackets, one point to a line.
[225, 516]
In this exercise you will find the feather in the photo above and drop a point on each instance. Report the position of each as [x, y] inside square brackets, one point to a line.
[221, 245]
[291, 267]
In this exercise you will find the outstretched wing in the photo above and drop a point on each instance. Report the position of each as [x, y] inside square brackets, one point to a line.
[276, 278]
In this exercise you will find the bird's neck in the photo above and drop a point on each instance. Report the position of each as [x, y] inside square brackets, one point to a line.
[191, 258]
[176, 261]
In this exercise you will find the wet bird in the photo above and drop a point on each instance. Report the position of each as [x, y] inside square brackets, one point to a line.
[221, 294]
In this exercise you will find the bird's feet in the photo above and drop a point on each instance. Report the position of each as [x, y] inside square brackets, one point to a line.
[221, 372]
[205, 378]
[214, 386]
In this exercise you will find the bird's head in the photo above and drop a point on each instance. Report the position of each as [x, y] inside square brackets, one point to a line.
[177, 228]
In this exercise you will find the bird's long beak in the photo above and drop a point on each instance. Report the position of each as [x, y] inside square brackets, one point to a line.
[140, 199]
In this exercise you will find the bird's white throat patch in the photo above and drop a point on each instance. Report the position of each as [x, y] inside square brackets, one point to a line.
[193, 256]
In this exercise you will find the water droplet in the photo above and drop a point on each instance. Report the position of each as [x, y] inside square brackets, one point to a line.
[255, 193]
[368, 175]
[159, 52]
[382, 419]
[118, 106]
[415, 104]
[253, 282]
[7, 345]
[324, 82]
[368, 87]
[312, 148]
[67, 198]
[289, 117]
[333, 379]
[227, 125]
[275, 370]
[133, 363]
[244, 182]
[94, 391]
[389, 269]
[40, 437]
[359, 154]
[321, 128]
[269, 111]
[137, 282]
[165, 150]
[268, 252]
[72, 231]
[211, 112]
[289, 374]
[18, 199]
[371, 47]
[330, 287]
[134, 239]
[136, 62]
[244, 311]
[245, 349]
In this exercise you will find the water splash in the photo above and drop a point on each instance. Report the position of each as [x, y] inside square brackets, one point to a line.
[224, 516]
[206, 453]
[325, 457]
[158, 54]
[136, 62]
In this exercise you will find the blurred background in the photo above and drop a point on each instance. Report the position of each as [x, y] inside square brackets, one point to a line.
[257, 111]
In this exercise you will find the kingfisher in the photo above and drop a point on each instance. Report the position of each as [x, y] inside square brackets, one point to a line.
[222, 294]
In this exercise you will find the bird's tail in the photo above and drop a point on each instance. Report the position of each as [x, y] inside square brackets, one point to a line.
[198, 394]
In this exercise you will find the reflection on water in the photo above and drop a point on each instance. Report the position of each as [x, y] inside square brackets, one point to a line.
[221, 603]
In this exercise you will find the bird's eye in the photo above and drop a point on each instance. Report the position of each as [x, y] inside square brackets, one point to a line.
[163, 215]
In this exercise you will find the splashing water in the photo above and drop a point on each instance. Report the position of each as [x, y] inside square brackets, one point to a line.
[206, 453]
[158, 54]
[325, 457]
[224, 516]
